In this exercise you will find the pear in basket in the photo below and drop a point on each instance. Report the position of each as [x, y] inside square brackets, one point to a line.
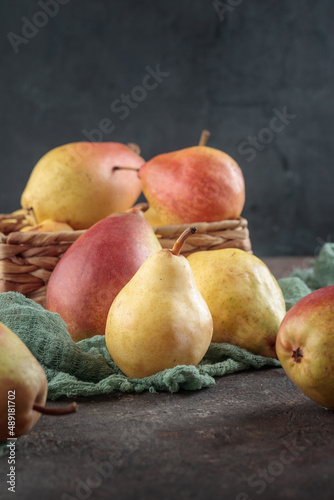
[78, 183]
[47, 225]
[196, 184]
[244, 298]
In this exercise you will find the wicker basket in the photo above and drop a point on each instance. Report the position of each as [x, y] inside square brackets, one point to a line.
[27, 259]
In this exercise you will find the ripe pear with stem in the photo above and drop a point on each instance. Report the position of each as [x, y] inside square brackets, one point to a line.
[23, 387]
[195, 184]
[159, 319]
[76, 183]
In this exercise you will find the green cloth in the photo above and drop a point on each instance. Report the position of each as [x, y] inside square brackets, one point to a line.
[318, 274]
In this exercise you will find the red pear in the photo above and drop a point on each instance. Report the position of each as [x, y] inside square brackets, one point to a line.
[196, 184]
[305, 345]
[95, 268]
[78, 184]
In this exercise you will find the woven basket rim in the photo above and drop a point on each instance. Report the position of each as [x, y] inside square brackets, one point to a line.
[58, 236]
[203, 227]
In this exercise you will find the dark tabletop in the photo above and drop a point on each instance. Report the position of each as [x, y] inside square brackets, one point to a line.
[251, 436]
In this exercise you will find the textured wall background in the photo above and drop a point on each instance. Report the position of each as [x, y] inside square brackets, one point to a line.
[233, 66]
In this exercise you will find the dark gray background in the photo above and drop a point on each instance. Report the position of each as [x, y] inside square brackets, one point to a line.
[226, 75]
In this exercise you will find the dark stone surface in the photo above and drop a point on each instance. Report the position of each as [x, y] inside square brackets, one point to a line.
[225, 75]
[253, 435]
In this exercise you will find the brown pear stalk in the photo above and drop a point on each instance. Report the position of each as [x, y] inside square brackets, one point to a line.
[134, 147]
[126, 168]
[181, 239]
[31, 214]
[204, 138]
[65, 410]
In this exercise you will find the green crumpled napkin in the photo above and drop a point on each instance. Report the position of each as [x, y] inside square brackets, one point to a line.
[301, 282]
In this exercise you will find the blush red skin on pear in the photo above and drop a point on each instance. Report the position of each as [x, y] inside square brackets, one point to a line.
[95, 268]
[196, 184]
[305, 345]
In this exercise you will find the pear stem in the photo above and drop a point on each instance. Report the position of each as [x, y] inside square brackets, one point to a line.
[31, 212]
[134, 147]
[71, 408]
[134, 169]
[204, 138]
[143, 206]
[181, 239]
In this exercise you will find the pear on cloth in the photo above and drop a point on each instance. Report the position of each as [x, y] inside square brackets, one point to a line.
[245, 300]
[159, 319]
[23, 387]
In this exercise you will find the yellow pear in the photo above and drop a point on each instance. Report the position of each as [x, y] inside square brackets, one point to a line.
[81, 183]
[48, 225]
[23, 381]
[23, 387]
[159, 319]
[245, 300]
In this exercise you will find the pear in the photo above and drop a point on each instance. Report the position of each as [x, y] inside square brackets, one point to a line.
[245, 300]
[23, 387]
[159, 319]
[208, 181]
[305, 345]
[77, 183]
[47, 225]
[95, 268]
